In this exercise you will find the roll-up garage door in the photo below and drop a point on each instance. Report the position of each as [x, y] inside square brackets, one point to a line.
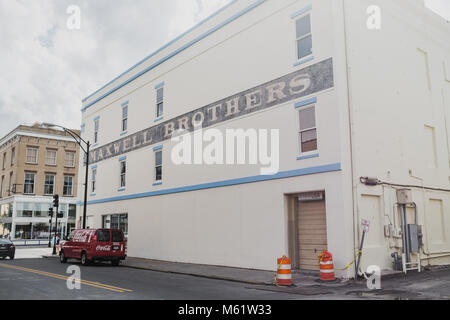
[311, 233]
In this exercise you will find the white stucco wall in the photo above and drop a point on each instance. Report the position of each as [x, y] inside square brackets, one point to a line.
[397, 81]
[389, 106]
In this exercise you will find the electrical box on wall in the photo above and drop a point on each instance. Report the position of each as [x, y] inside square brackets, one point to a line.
[404, 196]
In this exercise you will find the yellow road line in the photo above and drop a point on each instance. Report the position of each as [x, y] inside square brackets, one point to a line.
[62, 277]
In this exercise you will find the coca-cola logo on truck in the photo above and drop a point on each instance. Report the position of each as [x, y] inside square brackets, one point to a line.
[103, 248]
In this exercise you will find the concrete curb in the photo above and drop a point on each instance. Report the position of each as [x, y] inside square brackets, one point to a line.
[200, 275]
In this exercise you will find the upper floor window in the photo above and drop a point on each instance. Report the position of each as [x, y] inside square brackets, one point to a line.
[29, 183]
[96, 128]
[308, 129]
[49, 184]
[303, 36]
[124, 118]
[11, 182]
[4, 160]
[32, 155]
[68, 186]
[69, 161]
[13, 155]
[94, 179]
[159, 102]
[50, 157]
[1, 187]
[158, 165]
[123, 173]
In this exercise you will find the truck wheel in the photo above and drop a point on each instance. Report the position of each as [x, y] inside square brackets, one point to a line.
[62, 257]
[84, 259]
[11, 257]
[115, 263]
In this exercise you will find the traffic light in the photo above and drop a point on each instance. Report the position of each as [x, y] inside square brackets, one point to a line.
[56, 201]
[50, 212]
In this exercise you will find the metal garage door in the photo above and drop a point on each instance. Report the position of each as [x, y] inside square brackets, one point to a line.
[311, 233]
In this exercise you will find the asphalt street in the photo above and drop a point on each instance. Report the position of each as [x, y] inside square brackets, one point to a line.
[46, 279]
[32, 279]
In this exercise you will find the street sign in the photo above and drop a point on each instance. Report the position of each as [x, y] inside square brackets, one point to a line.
[365, 224]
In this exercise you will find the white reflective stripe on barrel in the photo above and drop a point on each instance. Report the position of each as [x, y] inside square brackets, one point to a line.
[284, 267]
[326, 263]
[327, 271]
[284, 276]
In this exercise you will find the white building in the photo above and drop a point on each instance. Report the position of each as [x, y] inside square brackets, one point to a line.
[369, 97]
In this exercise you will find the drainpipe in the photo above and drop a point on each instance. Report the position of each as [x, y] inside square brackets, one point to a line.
[351, 137]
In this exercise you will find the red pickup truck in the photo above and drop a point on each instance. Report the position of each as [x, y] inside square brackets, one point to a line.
[91, 245]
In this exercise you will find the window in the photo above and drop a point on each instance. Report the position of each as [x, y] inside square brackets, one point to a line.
[32, 155]
[4, 160]
[68, 186]
[159, 102]
[13, 155]
[49, 184]
[1, 187]
[103, 235]
[308, 130]
[124, 118]
[116, 221]
[69, 161]
[94, 178]
[158, 165]
[303, 36]
[50, 157]
[117, 236]
[96, 128]
[29, 183]
[123, 173]
[10, 183]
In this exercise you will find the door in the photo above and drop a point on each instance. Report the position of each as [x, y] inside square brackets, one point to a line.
[311, 233]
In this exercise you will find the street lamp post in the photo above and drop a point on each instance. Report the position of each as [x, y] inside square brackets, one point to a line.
[79, 141]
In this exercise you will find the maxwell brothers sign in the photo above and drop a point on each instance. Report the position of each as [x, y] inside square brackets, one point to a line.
[315, 78]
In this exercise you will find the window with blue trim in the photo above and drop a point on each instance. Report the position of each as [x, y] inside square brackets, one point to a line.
[123, 173]
[308, 129]
[158, 165]
[124, 118]
[96, 128]
[303, 36]
[94, 179]
[159, 102]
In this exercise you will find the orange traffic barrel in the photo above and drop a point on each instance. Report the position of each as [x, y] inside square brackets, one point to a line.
[326, 267]
[284, 274]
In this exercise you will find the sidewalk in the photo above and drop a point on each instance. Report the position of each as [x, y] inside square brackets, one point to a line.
[213, 272]
[255, 277]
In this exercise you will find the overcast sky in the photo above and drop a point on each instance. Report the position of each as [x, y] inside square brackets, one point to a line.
[46, 69]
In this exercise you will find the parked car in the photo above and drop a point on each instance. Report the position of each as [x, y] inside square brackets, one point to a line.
[7, 249]
[91, 245]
